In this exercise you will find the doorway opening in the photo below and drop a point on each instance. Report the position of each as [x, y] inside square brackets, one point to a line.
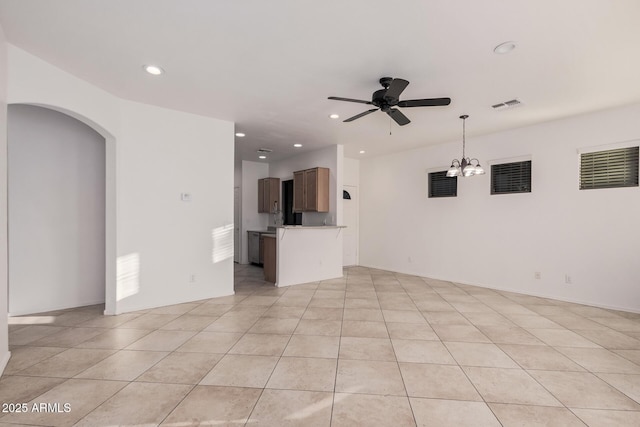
[57, 211]
[288, 215]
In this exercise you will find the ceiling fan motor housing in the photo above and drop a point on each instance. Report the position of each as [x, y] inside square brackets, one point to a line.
[386, 82]
[379, 100]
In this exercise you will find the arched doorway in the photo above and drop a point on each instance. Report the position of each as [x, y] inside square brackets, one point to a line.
[61, 200]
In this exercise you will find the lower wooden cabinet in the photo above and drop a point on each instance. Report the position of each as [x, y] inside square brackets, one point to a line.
[269, 258]
[311, 190]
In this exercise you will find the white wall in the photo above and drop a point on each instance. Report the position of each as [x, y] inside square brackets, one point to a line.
[330, 157]
[155, 242]
[237, 183]
[556, 230]
[162, 154]
[4, 328]
[251, 219]
[350, 238]
[237, 173]
[351, 172]
[56, 211]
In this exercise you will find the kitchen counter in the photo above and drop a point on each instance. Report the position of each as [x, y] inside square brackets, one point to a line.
[308, 254]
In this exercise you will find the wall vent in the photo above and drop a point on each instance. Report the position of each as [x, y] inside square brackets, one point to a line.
[507, 104]
[264, 151]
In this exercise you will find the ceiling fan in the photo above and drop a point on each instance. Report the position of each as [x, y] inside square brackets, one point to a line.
[387, 98]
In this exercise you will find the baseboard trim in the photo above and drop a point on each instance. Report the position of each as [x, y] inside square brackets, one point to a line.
[54, 308]
[515, 291]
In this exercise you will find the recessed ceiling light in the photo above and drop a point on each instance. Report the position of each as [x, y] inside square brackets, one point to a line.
[361, 151]
[297, 145]
[240, 135]
[262, 157]
[153, 69]
[505, 47]
[334, 116]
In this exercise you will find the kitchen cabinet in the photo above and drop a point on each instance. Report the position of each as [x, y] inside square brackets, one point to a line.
[311, 190]
[268, 195]
[270, 258]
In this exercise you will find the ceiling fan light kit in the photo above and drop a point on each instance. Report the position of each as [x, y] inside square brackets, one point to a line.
[389, 97]
[465, 166]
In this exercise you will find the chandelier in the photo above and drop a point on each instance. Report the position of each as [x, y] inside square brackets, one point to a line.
[464, 167]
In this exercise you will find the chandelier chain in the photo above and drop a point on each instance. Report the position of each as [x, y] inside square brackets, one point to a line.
[464, 121]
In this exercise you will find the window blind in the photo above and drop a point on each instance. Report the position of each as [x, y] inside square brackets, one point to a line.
[442, 186]
[512, 177]
[609, 169]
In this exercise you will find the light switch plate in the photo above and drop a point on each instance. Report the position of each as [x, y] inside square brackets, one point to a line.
[185, 197]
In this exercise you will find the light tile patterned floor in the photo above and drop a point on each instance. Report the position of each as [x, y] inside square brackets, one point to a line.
[372, 349]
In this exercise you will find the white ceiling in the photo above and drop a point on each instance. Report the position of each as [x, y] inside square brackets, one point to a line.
[269, 66]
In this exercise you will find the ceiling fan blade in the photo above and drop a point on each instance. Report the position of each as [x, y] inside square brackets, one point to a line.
[396, 87]
[357, 116]
[335, 98]
[431, 102]
[397, 115]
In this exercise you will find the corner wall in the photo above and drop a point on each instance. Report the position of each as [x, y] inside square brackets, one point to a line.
[500, 241]
[178, 250]
[351, 172]
[157, 241]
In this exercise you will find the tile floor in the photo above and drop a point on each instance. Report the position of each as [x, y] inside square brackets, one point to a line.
[373, 349]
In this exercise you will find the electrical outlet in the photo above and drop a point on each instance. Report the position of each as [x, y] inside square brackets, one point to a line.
[192, 278]
[537, 275]
[567, 279]
[409, 259]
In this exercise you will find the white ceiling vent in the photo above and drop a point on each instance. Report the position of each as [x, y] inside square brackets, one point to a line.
[264, 151]
[506, 104]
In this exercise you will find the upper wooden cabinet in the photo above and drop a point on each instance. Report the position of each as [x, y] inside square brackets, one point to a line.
[311, 190]
[268, 195]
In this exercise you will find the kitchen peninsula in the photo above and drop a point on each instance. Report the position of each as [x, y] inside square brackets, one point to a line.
[306, 254]
[299, 246]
